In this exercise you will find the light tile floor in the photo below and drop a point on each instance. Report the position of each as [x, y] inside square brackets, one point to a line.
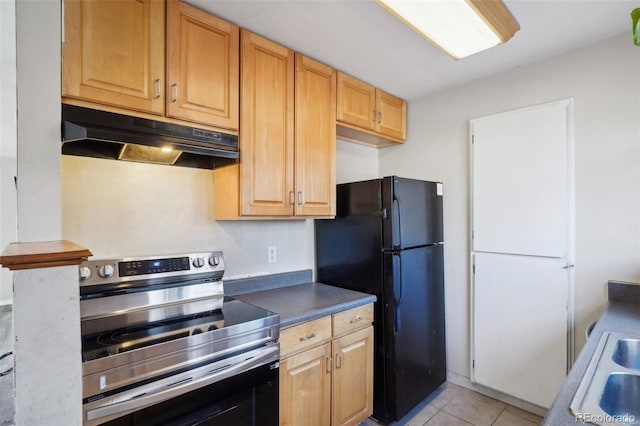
[454, 405]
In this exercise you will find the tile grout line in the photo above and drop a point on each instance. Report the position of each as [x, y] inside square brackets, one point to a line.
[453, 415]
[499, 414]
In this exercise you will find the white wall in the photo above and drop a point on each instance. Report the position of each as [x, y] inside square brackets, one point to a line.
[8, 145]
[355, 162]
[118, 208]
[603, 79]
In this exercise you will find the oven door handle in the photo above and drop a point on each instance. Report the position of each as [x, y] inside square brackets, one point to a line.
[182, 384]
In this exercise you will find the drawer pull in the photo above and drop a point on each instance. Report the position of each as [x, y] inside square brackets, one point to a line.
[357, 319]
[329, 364]
[311, 336]
[339, 360]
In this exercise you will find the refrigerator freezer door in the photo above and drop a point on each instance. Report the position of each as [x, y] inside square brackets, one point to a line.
[414, 210]
[359, 198]
[414, 296]
[349, 247]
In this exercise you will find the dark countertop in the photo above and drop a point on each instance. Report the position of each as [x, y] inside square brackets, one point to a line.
[621, 315]
[304, 302]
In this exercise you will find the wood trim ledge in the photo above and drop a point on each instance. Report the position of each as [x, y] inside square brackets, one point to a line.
[43, 254]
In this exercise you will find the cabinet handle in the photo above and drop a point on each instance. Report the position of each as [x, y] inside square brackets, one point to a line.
[158, 88]
[300, 199]
[292, 197]
[357, 319]
[379, 117]
[338, 360]
[174, 87]
[311, 336]
[329, 364]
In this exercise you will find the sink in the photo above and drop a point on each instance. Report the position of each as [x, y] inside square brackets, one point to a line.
[627, 353]
[621, 395]
[609, 392]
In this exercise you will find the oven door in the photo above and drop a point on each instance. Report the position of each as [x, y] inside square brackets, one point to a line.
[246, 397]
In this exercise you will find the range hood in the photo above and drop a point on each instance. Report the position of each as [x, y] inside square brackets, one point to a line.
[94, 133]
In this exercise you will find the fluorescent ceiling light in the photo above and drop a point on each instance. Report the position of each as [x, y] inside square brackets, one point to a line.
[459, 27]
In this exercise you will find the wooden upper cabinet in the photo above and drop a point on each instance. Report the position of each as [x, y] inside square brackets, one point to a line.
[267, 128]
[288, 141]
[114, 53]
[392, 115]
[356, 102]
[368, 115]
[315, 149]
[202, 67]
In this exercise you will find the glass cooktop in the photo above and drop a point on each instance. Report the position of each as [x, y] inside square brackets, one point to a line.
[129, 331]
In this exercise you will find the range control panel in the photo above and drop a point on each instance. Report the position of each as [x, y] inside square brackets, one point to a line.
[154, 266]
[107, 271]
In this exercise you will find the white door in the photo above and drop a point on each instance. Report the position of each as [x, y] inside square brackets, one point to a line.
[522, 250]
[520, 324]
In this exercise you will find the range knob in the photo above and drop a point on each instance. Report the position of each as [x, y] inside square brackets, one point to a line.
[106, 271]
[85, 273]
[214, 261]
[198, 262]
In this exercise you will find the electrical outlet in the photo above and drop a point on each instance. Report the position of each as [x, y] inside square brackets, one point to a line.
[272, 254]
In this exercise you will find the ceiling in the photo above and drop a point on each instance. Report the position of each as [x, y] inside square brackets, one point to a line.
[360, 38]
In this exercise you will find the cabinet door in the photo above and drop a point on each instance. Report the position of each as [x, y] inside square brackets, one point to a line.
[315, 152]
[113, 53]
[202, 67]
[356, 102]
[391, 115]
[266, 166]
[352, 396]
[305, 388]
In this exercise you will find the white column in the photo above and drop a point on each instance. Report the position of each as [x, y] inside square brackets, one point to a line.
[48, 365]
[8, 159]
[38, 26]
[46, 308]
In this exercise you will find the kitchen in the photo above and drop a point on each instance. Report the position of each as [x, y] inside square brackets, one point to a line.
[602, 77]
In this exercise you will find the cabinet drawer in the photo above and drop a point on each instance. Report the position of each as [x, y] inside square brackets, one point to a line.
[305, 335]
[353, 319]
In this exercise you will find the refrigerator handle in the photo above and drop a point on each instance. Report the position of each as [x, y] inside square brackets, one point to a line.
[397, 293]
[396, 201]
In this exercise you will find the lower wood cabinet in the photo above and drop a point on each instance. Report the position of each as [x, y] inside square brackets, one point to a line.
[352, 387]
[305, 387]
[326, 370]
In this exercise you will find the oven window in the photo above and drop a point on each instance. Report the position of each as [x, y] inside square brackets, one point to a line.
[250, 398]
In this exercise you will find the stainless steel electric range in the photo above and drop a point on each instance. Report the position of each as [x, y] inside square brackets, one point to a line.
[162, 345]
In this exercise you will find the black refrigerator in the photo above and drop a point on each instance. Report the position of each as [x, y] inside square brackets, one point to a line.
[387, 240]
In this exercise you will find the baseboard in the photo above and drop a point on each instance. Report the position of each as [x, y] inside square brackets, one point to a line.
[467, 383]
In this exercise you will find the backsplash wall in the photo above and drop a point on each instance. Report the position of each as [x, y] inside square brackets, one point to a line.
[117, 208]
